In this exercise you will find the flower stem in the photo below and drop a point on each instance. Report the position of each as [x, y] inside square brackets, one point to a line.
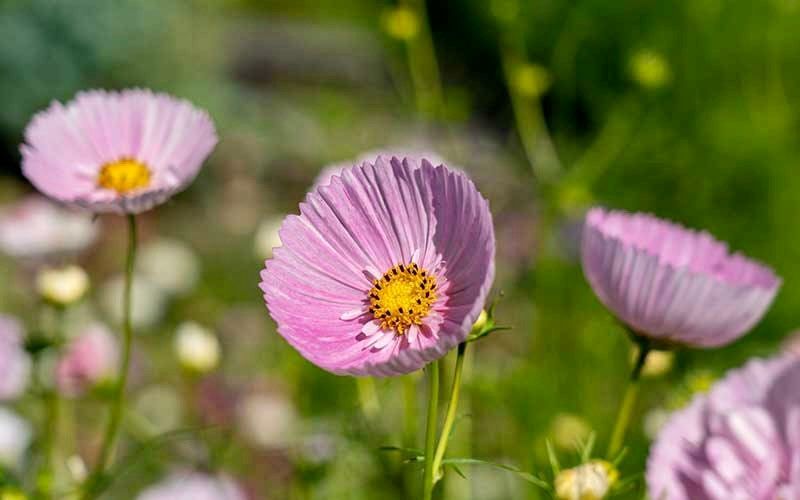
[430, 430]
[117, 403]
[450, 417]
[423, 65]
[628, 401]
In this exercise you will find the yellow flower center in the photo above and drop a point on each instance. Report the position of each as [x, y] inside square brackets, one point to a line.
[124, 176]
[402, 297]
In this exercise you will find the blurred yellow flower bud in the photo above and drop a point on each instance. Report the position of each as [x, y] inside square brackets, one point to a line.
[62, 286]
[401, 23]
[12, 494]
[650, 69]
[568, 430]
[658, 363]
[197, 347]
[530, 80]
[590, 481]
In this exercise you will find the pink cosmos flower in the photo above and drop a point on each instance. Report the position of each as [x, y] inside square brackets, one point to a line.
[326, 174]
[38, 229]
[121, 152]
[384, 270]
[89, 359]
[672, 284]
[740, 441]
[15, 364]
[194, 486]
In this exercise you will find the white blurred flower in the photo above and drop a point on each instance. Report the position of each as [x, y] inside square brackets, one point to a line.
[148, 302]
[590, 481]
[197, 347]
[159, 407]
[15, 363]
[267, 236]
[567, 431]
[267, 420]
[194, 486]
[36, 228]
[170, 265]
[15, 437]
[62, 286]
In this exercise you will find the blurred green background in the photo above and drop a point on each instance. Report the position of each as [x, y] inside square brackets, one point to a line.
[688, 109]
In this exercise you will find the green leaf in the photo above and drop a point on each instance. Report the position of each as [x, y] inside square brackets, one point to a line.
[555, 466]
[508, 468]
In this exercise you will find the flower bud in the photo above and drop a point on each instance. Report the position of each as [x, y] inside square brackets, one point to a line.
[401, 23]
[649, 69]
[197, 348]
[589, 481]
[62, 286]
[89, 360]
[530, 80]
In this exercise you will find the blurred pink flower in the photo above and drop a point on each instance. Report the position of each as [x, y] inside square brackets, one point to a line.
[194, 486]
[15, 363]
[739, 441]
[384, 270]
[36, 228]
[672, 284]
[121, 152]
[89, 359]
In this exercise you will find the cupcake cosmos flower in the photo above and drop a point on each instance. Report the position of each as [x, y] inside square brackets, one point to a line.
[385, 269]
[121, 152]
[739, 441]
[673, 285]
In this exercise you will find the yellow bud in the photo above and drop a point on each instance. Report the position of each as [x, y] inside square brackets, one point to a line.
[401, 23]
[590, 481]
[568, 430]
[62, 286]
[12, 494]
[530, 80]
[649, 69]
[657, 363]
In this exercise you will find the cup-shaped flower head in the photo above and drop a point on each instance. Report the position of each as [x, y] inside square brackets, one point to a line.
[15, 363]
[35, 228]
[385, 269]
[120, 152]
[90, 359]
[194, 486]
[741, 440]
[670, 284]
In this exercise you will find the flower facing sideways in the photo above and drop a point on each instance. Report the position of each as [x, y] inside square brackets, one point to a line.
[673, 285]
[385, 269]
[121, 152]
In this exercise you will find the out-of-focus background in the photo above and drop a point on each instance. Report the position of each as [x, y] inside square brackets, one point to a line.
[688, 109]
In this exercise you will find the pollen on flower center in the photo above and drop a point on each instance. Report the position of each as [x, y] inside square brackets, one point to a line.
[402, 297]
[124, 176]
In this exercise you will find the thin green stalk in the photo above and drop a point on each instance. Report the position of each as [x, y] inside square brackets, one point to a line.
[117, 403]
[628, 402]
[52, 404]
[423, 66]
[450, 417]
[430, 430]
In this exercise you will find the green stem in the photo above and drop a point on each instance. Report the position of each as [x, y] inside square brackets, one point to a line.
[423, 66]
[450, 418]
[628, 402]
[52, 406]
[117, 403]
[430, 430]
